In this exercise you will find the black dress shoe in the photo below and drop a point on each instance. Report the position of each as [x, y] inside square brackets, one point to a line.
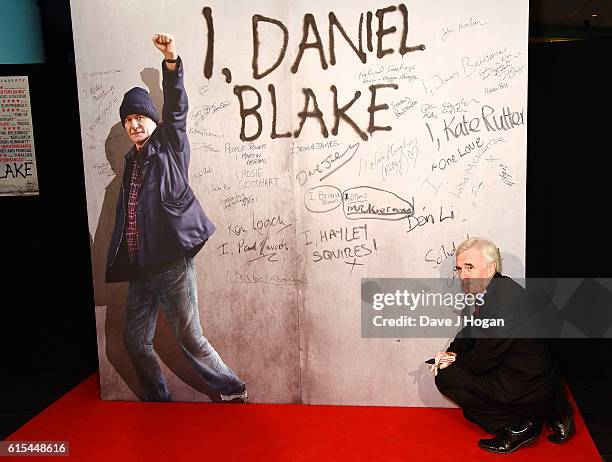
[508, 439]
[562, 428]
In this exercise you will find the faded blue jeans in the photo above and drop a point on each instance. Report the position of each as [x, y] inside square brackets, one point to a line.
[173, 288]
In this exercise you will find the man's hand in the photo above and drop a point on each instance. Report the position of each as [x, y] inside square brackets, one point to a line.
[442, 360]
[166, 44]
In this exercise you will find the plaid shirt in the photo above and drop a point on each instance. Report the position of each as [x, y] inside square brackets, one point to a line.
[132, 210]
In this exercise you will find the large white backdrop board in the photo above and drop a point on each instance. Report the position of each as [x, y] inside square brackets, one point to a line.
[331, 141]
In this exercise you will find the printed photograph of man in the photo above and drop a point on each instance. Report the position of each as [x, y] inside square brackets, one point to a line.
[159, 228]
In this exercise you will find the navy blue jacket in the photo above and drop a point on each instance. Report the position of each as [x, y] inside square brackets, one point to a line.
[171, 222]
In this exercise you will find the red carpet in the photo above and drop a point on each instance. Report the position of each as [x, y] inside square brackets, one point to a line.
[120, 431]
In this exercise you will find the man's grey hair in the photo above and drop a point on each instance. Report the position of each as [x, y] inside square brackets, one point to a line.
[487, 248]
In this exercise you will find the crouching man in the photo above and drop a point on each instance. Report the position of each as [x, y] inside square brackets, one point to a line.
[509, 386]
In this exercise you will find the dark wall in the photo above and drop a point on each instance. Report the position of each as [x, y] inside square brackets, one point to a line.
[568, 175]
[47, 329]
[569, 159]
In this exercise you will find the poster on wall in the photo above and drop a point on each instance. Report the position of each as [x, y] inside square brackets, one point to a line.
[17, 156]
[269, 156]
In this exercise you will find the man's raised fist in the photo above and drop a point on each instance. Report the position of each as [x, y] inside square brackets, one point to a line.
[166, 44]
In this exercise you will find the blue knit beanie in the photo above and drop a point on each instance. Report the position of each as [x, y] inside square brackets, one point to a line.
[138, 101]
